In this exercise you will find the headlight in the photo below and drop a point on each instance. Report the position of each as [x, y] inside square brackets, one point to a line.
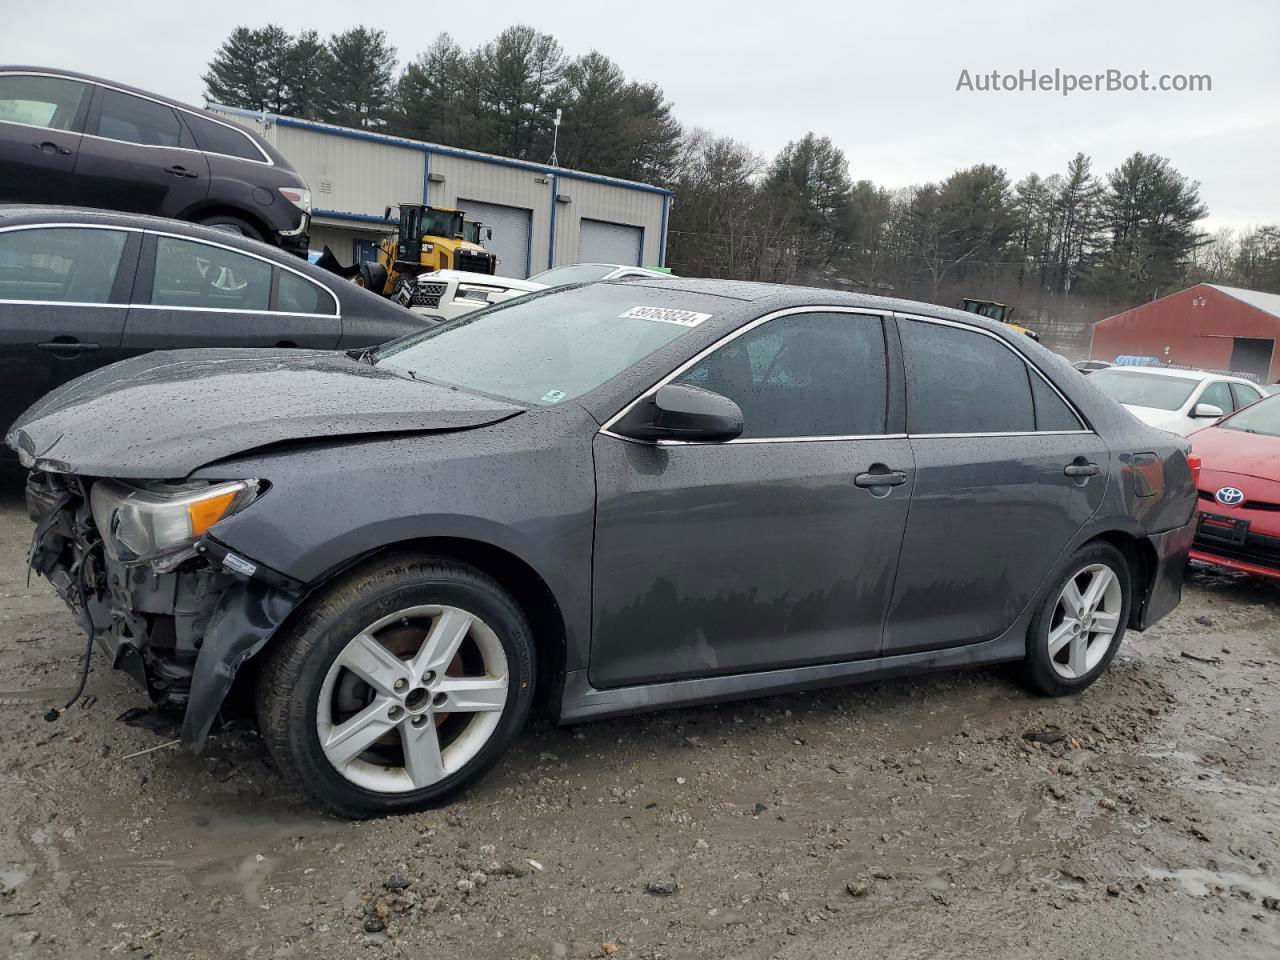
[473, 294]
[159, 525]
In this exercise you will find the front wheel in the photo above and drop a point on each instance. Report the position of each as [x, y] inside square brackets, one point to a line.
[1081, 621]
[398, 688]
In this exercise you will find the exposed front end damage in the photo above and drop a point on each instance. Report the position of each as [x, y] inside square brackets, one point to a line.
[181, 628]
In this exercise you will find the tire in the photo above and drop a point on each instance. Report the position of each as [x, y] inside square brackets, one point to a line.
[232, 224]
[1087, 644]
[380, 621]
[373, 277]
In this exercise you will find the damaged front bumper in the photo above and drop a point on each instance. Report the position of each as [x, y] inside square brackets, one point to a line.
[183, 634]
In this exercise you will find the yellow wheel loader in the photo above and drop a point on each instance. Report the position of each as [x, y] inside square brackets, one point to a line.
[993, 310]
[425, 239]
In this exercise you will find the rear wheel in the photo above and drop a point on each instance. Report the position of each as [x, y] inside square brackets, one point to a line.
[398, 688]
[372, 276]
[232, 224]
[1081, 621]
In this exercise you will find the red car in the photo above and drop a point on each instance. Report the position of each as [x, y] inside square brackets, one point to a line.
[1238, 522]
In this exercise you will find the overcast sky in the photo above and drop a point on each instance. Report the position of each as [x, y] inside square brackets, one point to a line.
[879, 79]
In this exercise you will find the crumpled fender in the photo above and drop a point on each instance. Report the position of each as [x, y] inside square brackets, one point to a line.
[246, 617]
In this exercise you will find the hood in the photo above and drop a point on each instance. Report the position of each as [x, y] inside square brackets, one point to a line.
[482, 279]
[1237, 452]
[1169, 420]
[162, 415]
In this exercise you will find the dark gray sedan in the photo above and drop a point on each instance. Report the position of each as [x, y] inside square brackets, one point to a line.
[614, 497]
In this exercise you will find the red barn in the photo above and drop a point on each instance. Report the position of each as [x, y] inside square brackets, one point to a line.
[1207, 326]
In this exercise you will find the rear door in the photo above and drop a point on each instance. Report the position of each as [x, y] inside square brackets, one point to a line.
[1006, 474]
[63, 300]
[40, 121]
[137, 156]
[194, 293]
[775, 549]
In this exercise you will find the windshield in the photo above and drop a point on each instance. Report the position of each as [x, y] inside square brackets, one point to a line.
[547, 348]
[1260, 417]
[574, 273]
[441, 223]
[1144, 389]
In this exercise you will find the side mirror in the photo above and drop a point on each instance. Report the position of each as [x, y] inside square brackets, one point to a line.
[680, 412]
[1207, 411]
[386, 214]
[488, 233]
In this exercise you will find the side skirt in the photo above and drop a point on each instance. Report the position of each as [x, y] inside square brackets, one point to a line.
[582, 701]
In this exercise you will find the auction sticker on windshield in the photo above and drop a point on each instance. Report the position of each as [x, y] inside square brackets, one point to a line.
[685, 318]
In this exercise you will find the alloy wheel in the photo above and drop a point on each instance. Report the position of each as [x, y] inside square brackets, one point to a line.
[1085, 620]
[412, 698]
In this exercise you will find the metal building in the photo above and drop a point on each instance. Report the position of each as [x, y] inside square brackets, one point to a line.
[1208, 326]
[541, 216]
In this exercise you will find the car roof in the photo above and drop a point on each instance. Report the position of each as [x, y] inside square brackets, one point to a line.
[1184, 374]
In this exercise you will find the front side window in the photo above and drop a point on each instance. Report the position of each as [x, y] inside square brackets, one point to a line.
[551, 347]
[1218, 394]
[50, 102]
[135, 120]
[212, 137]
[803, 375]
[193, 274]
[59, 264]
[1138, 389]
[961, 381]
[298, 295]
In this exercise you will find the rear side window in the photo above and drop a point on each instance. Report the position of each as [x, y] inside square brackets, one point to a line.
[804, 375]
[959, 381]
[135, 120]
[1243, 395]
[59, 264]
[298, 295]
[193, 274]
[1051, 412]
[214, 137]
[50, 102]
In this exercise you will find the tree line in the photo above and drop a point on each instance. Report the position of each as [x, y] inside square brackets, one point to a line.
[1066, 247]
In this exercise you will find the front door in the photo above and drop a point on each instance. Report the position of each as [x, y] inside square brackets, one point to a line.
[40, 121]
[775, 549]
[1006, 475]
[63, 293]
[136, 156]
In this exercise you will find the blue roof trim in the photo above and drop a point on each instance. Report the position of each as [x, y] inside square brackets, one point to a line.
[386, 138]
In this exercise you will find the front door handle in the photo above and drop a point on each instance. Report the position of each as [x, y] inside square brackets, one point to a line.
[69, 346]
[48, 146]
[885, 478]
[180, 171]
[1081, 470]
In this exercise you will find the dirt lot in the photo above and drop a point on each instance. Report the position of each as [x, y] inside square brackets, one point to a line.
[904, 819]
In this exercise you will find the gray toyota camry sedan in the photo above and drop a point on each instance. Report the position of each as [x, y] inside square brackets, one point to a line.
[605, 498]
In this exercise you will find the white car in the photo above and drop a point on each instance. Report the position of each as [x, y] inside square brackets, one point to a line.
[446, 294]
[591, 272]
[1180, 401]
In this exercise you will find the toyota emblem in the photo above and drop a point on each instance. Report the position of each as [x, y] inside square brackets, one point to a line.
[1229, 496]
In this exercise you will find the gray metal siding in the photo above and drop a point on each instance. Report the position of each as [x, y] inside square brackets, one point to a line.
[611, 204]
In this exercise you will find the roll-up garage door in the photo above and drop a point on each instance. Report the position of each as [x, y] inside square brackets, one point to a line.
[511, 227]
[602, 242]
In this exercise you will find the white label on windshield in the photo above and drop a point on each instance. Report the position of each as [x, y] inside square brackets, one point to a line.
[553, 396]
[685, 318]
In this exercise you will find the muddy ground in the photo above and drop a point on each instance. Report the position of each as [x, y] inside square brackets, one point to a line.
[902, 819]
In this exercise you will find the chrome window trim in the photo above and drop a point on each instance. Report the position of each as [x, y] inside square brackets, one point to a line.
[266, 160]
[729, 338]
[1084, 428]
[337, 304]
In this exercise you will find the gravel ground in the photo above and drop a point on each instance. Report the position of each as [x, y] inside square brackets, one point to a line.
[903, 819]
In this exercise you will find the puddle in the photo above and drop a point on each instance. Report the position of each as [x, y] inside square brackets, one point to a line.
[1199, 883]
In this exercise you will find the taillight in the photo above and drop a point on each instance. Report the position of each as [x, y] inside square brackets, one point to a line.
[298, 196]
[1193, 461]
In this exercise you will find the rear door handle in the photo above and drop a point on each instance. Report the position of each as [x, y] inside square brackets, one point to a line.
[890, 478]
[181, 171]
[73, 346]
[1081, 470]
[48, 146]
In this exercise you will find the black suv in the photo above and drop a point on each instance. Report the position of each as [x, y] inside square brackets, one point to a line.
[67, 138]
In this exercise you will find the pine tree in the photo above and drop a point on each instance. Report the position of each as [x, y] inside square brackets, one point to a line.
[358, 87]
